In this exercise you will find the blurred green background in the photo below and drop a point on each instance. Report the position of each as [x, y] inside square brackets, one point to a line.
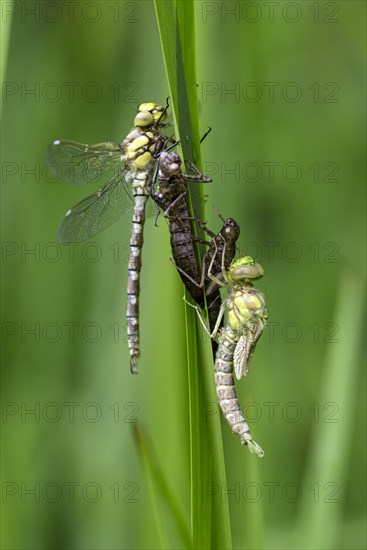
[282, 86]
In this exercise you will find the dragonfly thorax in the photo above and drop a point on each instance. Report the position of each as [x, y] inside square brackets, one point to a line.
[139, 146]
[245, 304]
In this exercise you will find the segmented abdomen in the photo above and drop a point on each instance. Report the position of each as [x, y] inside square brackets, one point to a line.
[183, 251]
[226, 391]
[141, 190]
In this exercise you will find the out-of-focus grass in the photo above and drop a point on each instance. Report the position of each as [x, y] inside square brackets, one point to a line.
[161, 493]
[330, 445]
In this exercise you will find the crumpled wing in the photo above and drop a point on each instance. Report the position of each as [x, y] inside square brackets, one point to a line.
[246, 346]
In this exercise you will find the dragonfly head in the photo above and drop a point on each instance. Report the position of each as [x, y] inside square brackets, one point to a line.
[149, 114]
[245, 270]
[169, 163]
[231, 230]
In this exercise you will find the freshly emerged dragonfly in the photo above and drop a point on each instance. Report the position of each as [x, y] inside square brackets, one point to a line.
[246, 318]
[130, 185]
[172, 199]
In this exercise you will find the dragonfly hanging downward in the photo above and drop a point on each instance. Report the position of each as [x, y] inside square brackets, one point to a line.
[133, 161]
[246, 318]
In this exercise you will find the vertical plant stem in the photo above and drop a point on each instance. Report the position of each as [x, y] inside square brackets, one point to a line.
[5, 29]
[177, 31]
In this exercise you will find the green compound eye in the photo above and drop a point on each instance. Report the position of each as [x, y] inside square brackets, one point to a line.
[245, 269]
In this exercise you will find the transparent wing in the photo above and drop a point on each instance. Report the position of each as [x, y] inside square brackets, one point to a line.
[97, 212]
[77, 163]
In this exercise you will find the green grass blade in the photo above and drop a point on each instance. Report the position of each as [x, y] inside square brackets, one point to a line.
[159, 487]
[177, 31]
[5, 29]
[331, 442]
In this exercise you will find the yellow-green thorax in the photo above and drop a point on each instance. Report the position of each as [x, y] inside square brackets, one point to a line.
[140, 144]
[243, 305]
[244, 302]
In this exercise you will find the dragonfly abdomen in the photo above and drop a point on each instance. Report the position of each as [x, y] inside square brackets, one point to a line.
[226, 391]
[133, 282]
[184, 255]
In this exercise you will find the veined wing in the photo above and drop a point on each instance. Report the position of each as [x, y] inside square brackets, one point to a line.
[246, 346]
[96, 212]
[77, 163]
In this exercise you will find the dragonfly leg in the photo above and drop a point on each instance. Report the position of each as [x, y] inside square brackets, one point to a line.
[205, 228]
[173, 204]
[219, 320]
[199, 176]
[202, 321]
[163, 148]
[156, 196]
[174, 143]
[157, 216]
[206, 133]
[163, 112]
[203, 272]
[191, 166]
[154, 178]
[199, 222]
[178, 219]
[210, 274]
[219, 214]
[199, 285]
[224, 271]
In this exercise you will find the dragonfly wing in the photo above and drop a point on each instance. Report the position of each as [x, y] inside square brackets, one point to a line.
[77, 163]
[241, 357]
[246, 346]
[96, 212]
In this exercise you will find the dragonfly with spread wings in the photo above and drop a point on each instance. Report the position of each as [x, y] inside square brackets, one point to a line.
[133, 162]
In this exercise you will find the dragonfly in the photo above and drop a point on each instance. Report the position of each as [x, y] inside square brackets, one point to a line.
[133, 161]
[172, 198]
[246, 316]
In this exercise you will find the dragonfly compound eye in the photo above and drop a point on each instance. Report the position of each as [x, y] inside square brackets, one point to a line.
[143, 119]
[245, 269]
[149, 113]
